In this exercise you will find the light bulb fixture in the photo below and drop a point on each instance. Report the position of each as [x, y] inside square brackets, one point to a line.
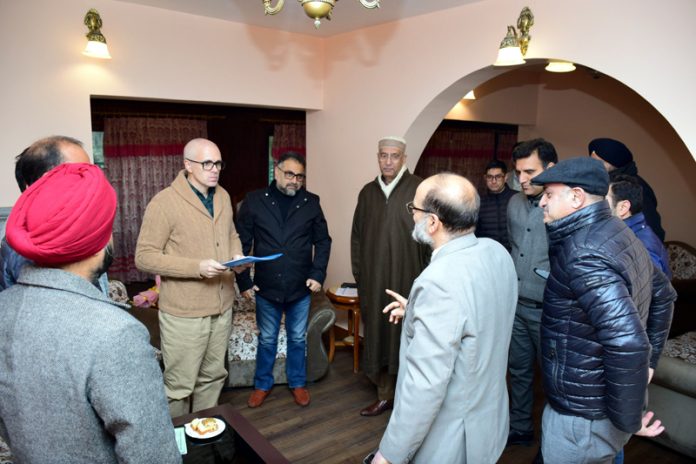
[470, 95]
[315, 9]
[96, 42]
[514, 46]
[559, 66]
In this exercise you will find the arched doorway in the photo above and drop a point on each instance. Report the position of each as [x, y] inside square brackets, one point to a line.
[570, 110]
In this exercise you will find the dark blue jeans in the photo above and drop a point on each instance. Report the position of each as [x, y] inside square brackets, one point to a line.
[268, 316]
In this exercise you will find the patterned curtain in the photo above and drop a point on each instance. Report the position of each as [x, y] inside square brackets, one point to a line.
[466, 151]
[289, 137]
[142, 156]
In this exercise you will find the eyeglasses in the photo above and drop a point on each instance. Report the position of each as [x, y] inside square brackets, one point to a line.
[385, 156]
[207, 165]
[289, 175]
[495, 177]
[411, 208]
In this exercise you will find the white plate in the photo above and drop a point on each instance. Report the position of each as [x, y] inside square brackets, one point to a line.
[194, 434]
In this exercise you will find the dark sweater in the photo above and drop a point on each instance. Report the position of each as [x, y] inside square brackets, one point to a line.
[492, 220]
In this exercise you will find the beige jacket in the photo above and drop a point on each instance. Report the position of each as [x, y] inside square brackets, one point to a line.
[176, 235]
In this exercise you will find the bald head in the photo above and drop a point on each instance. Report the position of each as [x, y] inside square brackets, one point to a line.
[198, 148]
[44, 155]
[453, 199]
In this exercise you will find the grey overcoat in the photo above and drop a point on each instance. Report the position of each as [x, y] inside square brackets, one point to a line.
[451, 402]
[79, 382]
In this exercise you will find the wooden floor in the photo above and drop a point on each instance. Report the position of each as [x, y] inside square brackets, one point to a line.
[331, 430]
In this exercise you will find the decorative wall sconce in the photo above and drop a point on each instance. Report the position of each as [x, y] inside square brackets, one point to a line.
[96, 43]
[513, 48]
[315, 9]
[470, 95]
[559, 66]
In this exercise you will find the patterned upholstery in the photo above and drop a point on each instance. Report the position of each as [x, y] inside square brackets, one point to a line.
[682, 260]
[244, 338]
[682, 347]
[241, 353]
[117, 291]
[5, 455]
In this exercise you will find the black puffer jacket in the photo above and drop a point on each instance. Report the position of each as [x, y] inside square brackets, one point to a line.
[606, 316]
[492, 219]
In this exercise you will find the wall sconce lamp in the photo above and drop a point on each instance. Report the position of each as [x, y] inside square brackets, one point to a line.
[559, 66]
[315, 9]
[470, 95]
[513, 48]
[96, 43]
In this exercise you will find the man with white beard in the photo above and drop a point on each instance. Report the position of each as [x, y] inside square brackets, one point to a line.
[451, 401]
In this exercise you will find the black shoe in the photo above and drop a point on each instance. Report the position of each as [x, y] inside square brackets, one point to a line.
[520, 438]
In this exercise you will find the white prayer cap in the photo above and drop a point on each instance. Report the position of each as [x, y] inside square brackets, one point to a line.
[393, 141]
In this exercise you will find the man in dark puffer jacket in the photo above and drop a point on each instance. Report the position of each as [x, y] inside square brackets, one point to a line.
[606, 315]
[492, 219]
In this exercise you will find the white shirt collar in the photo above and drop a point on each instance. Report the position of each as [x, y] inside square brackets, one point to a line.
[387, 188]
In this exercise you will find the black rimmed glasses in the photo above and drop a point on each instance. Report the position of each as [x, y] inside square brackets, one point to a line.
[208, 165]
[289, 175]
[495, 176]
[411, 208]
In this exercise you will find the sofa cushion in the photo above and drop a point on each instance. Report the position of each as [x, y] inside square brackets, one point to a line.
[245, 338]
[682, 347]
[682, 260]
[677, 367]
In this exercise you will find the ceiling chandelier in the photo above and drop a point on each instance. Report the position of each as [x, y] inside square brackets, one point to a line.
[315, 9]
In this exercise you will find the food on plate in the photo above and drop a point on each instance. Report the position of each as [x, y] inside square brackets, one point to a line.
[203, 426]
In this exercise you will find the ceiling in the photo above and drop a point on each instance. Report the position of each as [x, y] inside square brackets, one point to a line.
[348, 15]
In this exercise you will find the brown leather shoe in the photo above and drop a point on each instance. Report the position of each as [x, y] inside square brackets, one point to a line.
[257, 398]
[301, 395]
[377, 408]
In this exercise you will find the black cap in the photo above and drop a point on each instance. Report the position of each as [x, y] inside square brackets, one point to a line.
[612, 151]
[587, 173]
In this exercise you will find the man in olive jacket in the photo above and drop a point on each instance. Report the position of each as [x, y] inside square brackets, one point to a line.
[283, 218]
[607, 312]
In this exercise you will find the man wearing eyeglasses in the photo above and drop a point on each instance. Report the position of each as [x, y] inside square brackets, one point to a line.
[187, 232]
[492, 221]
[283, 218]
[384, 256]
[530, 253]
[451, 401]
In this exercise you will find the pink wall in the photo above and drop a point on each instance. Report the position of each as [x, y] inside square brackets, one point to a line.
[420, 67]
[571, 109]
[46, 82]
[397, 78]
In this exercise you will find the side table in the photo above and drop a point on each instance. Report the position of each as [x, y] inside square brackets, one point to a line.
[352, 306]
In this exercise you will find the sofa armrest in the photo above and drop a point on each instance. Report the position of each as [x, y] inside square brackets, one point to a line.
[149, 317]
[321, 318]
[676, 374]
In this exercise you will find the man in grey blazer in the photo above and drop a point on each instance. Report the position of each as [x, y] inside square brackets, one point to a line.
[451, 403]
[78, 378]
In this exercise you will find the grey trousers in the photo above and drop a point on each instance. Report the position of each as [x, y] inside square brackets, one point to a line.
[576, 440]
[525, 351]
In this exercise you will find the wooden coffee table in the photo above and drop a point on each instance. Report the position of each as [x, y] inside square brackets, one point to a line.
[239, 443]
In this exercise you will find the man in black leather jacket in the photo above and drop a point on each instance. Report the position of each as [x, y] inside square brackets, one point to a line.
[606, 315]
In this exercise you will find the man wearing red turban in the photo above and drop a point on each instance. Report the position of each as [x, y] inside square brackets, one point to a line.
[35, 161]
[70, 356]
